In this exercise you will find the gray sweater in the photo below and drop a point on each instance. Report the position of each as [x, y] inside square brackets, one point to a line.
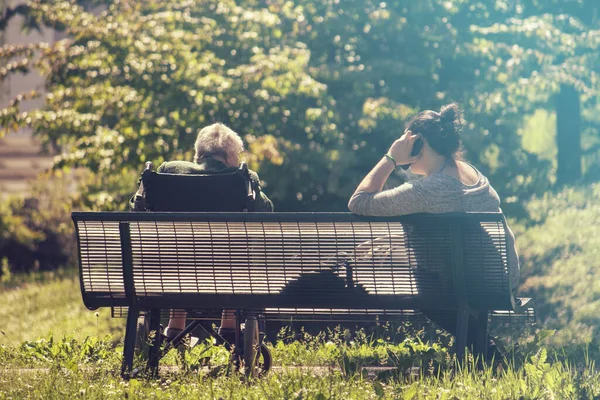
[437, 193]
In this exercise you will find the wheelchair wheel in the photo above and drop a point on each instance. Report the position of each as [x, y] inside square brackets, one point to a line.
[257, 357]
[265, 361]
[262, 365]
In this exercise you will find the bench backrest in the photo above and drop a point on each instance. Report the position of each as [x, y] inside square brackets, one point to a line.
[297, 260]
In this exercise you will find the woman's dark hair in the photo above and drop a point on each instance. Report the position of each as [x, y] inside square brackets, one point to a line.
[440, 129]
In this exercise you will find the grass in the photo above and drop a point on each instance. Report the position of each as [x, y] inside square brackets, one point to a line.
[72, 362]
[80, 354]
[560, 255]
[67, 368]
[43, 304]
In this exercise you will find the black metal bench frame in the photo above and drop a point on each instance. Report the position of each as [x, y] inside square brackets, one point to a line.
[252, 304]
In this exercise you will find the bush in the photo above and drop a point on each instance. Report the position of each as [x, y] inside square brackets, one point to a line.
[36, 232]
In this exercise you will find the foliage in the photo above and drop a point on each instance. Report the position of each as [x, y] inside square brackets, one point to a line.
[66, 352]
[141, 91]
[535, 46]
[36, 232]
[559, 254]
[68, 368]
[536, 54]
[137, 81]
[539, 134]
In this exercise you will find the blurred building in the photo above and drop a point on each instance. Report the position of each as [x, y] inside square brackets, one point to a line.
[21, 156]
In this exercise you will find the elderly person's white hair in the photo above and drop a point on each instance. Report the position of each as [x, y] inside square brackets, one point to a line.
[217, 140]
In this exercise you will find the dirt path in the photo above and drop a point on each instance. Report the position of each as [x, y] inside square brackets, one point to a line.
[321, 370]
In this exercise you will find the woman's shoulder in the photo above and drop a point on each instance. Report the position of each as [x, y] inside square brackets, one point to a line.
[437, 181]
[468, 174]
[464, 176]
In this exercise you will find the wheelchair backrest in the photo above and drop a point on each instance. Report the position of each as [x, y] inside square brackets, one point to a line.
[229, 190]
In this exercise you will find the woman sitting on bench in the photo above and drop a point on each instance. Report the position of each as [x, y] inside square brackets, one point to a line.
[431, 147]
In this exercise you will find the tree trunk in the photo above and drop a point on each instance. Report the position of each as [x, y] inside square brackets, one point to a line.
[568, 135]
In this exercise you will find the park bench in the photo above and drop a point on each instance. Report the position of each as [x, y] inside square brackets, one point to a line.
[332, 266]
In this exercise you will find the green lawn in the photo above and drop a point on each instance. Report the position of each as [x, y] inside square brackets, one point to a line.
[51, 350]
[67, 368]
[47, 304]
[560, 256]
[52, 347]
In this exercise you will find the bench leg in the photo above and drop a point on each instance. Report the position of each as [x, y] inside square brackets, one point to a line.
[154, 349]
[251, 348]
[128, 351]
[481, 336]
[262, 328]
[462, 326]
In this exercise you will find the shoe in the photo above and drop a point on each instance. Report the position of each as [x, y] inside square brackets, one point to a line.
[495, 349]
[496, 354]
[170, 334]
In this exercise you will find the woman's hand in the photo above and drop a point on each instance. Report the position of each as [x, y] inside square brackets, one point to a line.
[401, 148]
[374, 181]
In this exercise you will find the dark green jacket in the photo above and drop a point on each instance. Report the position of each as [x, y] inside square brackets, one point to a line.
[263, 204]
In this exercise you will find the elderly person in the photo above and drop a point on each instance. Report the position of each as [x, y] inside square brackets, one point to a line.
[217, 148]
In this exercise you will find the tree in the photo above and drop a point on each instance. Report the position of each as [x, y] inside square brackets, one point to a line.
[319, 90]
[547, 56]
[380, 62]
[136, 82]
[303, 82]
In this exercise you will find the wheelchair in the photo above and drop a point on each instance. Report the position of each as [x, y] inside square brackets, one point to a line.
[230, 190]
